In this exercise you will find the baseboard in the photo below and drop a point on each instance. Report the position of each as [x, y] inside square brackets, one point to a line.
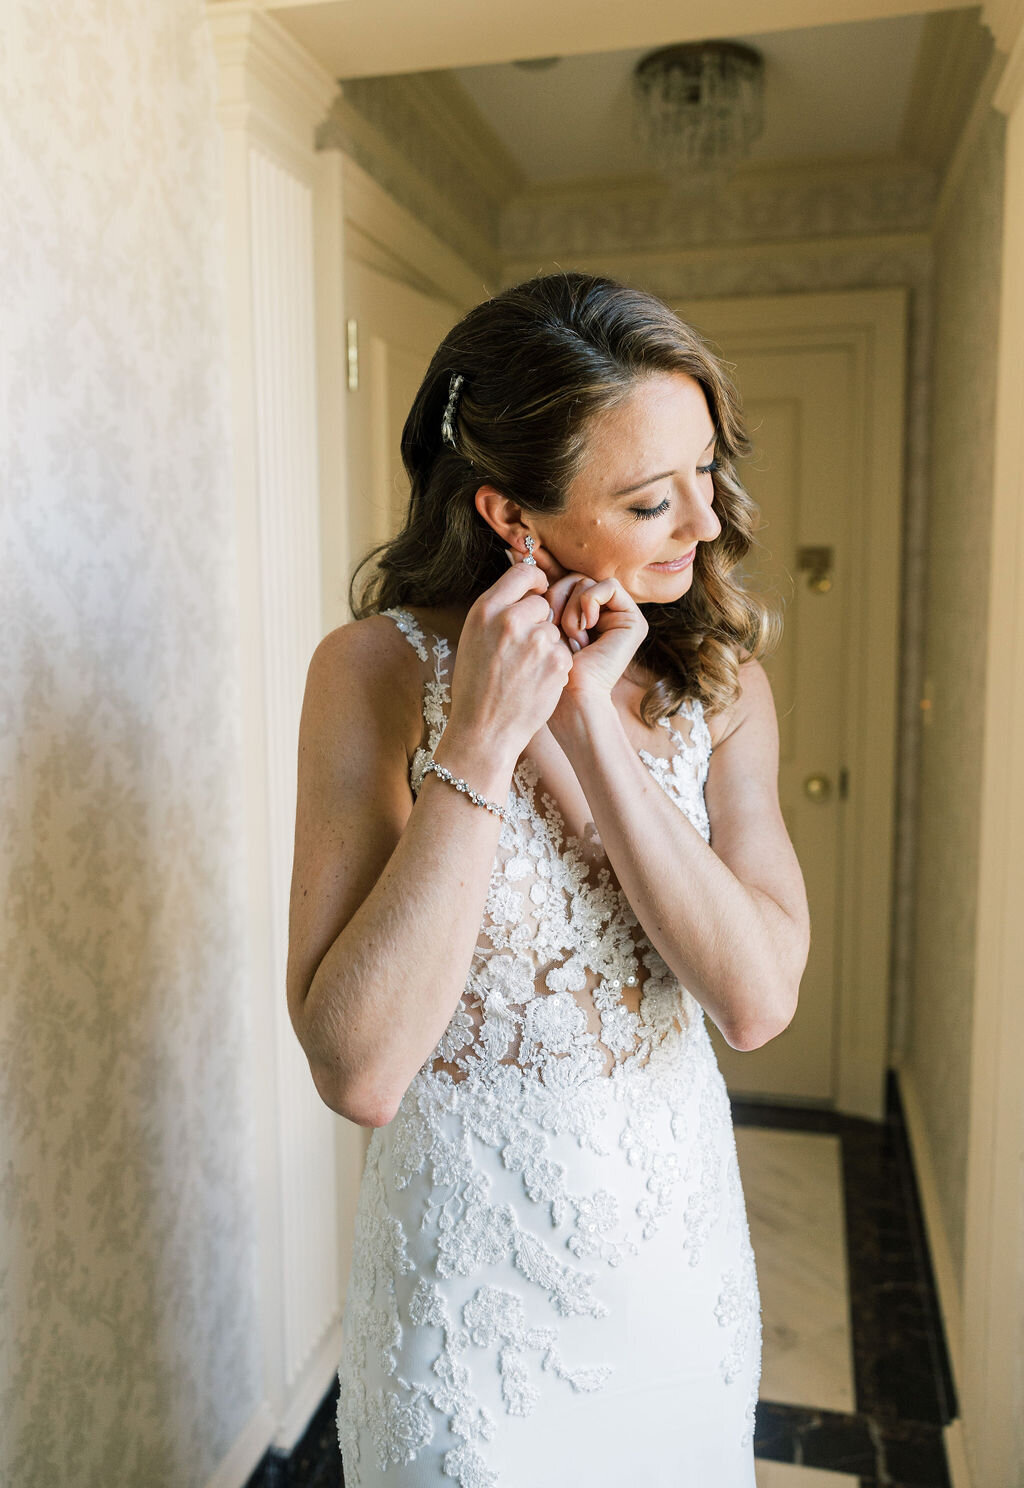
[947, 1283]
[244, 1457]
[317, 1378]
[261, 1432]
[956, 1454]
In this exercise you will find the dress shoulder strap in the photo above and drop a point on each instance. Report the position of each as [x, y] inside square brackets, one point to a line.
[407, 624]
[435, 688]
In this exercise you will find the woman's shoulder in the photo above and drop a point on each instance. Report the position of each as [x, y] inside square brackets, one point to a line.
[753, 697]
[368, 664]
[359, 647]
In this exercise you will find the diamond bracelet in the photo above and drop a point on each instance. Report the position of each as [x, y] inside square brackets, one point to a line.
[465, 788]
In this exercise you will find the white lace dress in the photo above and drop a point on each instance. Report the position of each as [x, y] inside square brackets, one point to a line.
[553, 1279]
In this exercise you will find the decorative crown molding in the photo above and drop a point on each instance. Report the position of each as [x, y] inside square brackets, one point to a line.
[807, 201]
[481, 151]
[265, 74]
[424, 141]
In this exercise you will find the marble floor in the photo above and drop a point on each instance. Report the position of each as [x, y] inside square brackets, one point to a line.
[855, 1381]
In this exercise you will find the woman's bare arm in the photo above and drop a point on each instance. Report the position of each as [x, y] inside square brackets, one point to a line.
[387, 896]
[729, 919]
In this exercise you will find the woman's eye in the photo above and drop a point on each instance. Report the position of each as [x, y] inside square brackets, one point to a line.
[656, 511]
[650, 511]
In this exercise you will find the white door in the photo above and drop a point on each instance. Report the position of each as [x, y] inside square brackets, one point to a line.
[396, 331]
[804, 390]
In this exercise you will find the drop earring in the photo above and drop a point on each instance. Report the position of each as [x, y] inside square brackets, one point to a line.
[529, 552]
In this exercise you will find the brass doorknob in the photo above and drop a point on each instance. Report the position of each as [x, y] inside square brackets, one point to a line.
[818, 787]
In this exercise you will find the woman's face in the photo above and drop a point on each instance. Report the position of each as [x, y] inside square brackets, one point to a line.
[641, 502]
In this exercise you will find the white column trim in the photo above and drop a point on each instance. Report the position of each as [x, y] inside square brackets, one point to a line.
[269, 85]
[271, 98]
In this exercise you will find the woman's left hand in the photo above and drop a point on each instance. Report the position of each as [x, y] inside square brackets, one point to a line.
[600, 621]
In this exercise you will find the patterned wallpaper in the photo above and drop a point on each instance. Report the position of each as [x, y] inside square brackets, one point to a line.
[128, 1303]
[967, 278]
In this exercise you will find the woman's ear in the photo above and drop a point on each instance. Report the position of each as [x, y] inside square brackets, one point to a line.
[514, 527]
[503, 514]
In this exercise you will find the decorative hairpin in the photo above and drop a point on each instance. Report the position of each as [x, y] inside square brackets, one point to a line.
[447, 431]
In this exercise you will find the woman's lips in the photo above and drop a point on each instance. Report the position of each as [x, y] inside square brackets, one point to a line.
[677, 563]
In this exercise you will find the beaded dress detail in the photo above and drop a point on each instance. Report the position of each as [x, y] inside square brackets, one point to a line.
[552, 1275]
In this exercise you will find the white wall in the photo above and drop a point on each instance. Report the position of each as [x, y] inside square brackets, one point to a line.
[128, 1251]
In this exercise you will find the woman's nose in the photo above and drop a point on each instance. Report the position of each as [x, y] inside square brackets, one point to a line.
[697, 520]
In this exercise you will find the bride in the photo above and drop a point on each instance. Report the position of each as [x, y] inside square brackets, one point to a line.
[538, 842]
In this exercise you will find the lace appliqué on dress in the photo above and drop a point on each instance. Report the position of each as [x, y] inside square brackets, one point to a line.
[739, 1309]
[684, 775]
[571, 1034]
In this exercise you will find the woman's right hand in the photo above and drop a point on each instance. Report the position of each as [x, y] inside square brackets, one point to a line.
[511, 666]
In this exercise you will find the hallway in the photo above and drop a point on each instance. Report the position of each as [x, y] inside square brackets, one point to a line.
[856, 1385]
[235, 231]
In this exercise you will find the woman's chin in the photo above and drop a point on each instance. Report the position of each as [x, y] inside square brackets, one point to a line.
[660, 588]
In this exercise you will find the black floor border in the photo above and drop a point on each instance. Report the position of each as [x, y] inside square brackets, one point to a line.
[901, 1454]
[903, 1383]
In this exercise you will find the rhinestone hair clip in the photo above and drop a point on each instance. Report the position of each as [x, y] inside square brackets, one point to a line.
[447, 431]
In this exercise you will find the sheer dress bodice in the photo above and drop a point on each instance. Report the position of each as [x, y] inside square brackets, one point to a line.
[572, 1113]
[561, 959]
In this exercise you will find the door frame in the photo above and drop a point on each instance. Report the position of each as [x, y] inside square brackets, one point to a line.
[870, 325]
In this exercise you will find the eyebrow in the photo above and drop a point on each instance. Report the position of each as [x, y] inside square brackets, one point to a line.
[650, 479]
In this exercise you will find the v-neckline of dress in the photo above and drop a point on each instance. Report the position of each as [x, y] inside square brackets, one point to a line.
[528, 785]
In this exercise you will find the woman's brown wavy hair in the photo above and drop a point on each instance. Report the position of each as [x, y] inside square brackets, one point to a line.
[539, 361]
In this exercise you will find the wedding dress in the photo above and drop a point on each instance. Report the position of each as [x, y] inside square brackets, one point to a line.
[553, 1280]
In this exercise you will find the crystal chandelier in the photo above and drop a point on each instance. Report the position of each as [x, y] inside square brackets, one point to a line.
[699, 105]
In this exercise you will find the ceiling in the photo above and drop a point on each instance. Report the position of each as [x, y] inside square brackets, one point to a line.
[830, 91]
[372, 38]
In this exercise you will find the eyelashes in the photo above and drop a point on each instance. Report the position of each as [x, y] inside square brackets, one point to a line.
[644, 512]
[650, 511]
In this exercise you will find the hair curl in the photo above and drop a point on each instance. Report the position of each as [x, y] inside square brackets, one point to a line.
[540, 360]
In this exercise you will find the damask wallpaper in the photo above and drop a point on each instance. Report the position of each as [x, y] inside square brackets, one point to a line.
[128, 1306]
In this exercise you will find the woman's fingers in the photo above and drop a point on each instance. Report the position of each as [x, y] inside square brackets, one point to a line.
[581, 618]
[581, 613]
[560, 591]
[575, 599]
